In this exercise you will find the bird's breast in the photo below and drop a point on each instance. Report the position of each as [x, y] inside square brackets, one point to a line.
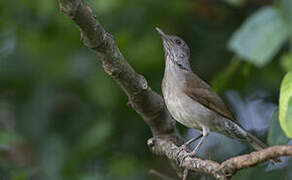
[182, 108]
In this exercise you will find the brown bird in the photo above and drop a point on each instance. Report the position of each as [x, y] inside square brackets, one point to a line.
[192, 102]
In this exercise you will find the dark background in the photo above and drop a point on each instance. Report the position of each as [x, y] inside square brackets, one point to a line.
[62, 117]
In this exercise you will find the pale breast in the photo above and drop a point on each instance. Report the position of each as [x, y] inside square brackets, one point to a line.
[182, 108]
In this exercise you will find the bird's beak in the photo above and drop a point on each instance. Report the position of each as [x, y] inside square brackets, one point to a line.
[162, 34]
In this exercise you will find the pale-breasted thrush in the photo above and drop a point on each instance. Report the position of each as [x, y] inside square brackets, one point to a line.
[192, 102]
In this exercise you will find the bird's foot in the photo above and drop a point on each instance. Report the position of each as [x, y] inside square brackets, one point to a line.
[181, 148]
[191, 154]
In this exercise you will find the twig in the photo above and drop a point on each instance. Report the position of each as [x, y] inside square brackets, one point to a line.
[234, 164]
[224, 170]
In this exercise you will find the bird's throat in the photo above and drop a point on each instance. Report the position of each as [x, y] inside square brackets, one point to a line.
[180, 64]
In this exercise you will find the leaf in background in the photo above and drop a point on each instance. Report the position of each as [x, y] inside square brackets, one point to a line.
[288, 119]
[7, 43]
[105, 6]
[95, 135]
[286, 6]
[123, 167]
[22, 175]
[223, 78]
[285, 104]
[236, 3]
[286, 62]
[9, 138]
[260, 36]
[89, 143]
[54, 153]
[276, 136]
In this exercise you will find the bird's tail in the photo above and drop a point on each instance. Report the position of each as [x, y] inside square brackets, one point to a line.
[257, 145]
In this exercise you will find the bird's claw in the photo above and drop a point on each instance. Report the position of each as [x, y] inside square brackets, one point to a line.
[181, 148]
[191, 154]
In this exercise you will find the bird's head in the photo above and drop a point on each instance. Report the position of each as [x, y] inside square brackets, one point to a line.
[175, 50]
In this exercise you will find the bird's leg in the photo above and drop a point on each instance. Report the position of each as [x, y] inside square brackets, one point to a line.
[184, 146]
[191, 140]
[194, 152]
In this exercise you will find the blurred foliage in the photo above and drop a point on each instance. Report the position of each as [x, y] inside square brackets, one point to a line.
[260, 37]
[286, 62]
[276, 135]
[263, 34]
[285, 112]
[285, 9]
[62, 117]
[235, 69]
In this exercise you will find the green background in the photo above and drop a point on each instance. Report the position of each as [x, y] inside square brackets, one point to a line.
[62, 117]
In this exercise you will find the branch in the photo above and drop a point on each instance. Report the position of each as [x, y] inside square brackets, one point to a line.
[222, 171]
[142, 99]
[148, 103]
[234, 164]
[161, 146]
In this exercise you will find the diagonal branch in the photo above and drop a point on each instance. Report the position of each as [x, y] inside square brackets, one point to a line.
[148, 103]
[144, 101]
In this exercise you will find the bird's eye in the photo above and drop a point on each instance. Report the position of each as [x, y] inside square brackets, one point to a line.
[177, 41]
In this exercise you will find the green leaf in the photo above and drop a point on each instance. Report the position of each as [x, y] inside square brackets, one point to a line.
[285, 104]
[276, 136]
[288, 119]
[260, 36]
[286, 62]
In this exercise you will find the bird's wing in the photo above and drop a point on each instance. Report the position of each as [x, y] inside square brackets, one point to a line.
[201, 92]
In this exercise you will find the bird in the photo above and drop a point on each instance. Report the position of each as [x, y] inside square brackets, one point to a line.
[193, 103]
